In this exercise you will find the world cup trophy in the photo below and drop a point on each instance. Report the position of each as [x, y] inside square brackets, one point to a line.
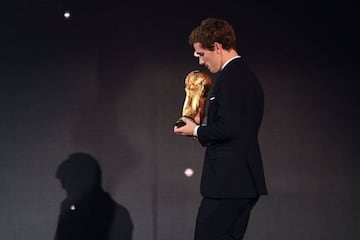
[197, 86]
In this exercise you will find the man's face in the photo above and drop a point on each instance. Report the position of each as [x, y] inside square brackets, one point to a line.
[209, 58]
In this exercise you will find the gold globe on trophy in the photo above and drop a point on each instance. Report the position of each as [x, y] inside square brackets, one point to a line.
[197, 86]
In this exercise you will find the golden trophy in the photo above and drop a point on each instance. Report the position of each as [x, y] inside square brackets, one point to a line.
[197, 86]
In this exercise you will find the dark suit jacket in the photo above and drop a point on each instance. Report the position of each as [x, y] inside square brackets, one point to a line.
[233, 165]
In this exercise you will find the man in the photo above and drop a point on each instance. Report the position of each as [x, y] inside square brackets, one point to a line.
[233, 178]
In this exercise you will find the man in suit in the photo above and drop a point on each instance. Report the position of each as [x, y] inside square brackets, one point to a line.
[233, 177]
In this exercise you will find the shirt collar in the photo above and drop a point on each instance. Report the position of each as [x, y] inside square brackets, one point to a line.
[226, 63]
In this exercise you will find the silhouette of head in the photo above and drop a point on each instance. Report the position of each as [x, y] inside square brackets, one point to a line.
[79, 174]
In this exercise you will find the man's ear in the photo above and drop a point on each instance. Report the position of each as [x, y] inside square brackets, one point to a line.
[217, 47]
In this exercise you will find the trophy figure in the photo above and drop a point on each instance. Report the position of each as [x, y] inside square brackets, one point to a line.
[197, 86]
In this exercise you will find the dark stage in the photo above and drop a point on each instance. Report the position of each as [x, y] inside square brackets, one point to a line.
[108, 81]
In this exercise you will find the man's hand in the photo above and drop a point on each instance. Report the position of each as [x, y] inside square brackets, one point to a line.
[186, 130]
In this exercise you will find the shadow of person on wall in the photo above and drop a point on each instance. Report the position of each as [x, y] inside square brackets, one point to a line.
[88, 212]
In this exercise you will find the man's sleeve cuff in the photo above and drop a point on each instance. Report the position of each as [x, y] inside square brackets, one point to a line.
[195, 131]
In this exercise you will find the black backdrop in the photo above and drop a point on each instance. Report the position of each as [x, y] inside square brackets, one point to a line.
[109, 82]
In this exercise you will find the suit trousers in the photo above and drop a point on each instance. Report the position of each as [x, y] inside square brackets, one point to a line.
[223, 218]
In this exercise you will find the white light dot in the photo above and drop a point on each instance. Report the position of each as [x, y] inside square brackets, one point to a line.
[72, 207]
[67, 14]
[189, 172]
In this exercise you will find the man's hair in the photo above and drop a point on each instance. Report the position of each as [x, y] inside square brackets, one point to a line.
[213, 30]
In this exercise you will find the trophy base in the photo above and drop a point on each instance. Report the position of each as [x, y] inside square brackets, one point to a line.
[179, 123]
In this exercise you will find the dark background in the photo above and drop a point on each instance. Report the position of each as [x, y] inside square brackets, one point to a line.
[109, 82]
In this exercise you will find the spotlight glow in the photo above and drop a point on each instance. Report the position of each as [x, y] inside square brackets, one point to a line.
[189, 172]
[67, 15]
